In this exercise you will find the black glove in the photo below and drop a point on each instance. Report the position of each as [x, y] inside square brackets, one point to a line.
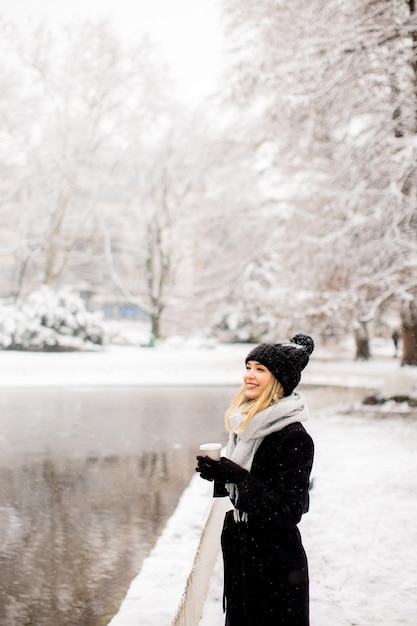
[223, 471]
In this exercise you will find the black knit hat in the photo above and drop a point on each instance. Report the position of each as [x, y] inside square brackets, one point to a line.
[286, 360]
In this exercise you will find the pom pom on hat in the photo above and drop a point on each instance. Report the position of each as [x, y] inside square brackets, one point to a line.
[286, 360]
[305, 341]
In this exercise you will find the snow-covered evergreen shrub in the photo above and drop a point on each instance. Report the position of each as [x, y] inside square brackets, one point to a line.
[49, 320]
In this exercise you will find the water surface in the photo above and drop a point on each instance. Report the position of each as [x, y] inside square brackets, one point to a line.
[88, 478]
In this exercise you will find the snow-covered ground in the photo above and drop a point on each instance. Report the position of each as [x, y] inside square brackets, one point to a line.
[360, 534]
[179, 362]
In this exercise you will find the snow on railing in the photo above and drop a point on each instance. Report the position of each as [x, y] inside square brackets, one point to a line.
[192, 602]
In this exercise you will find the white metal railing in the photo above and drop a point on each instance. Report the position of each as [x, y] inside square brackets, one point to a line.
[192, 602]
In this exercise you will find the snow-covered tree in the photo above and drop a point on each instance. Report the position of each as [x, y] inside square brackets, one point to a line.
[81, 94]
[336, 84]
[111, 178]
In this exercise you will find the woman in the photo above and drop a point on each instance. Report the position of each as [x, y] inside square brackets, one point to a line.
[266, 474]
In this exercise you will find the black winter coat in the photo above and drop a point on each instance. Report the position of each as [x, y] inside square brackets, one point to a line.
[265, 566]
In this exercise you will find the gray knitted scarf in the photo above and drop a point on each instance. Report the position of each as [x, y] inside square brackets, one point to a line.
[241, 447]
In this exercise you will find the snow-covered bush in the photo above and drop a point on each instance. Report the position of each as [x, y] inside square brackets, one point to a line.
[49, 320]
[244, 326]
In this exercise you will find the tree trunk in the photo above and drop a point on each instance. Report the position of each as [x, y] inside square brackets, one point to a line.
[362, 342]
[21, 276]
[409, 307]
[155, 321]
[413, 35]
[409, 332]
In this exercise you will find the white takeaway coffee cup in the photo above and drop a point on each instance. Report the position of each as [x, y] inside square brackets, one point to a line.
[212, 450]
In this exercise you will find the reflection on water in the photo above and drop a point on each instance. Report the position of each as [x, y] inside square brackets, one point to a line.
[88, 479]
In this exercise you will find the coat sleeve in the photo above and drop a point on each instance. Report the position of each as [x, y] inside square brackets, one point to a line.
[276, 489]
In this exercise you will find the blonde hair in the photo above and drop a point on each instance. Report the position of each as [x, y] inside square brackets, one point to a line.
[272, 393]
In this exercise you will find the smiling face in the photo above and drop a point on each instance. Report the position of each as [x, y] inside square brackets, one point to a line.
[255, 379]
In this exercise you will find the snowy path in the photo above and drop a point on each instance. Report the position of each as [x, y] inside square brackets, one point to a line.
[360, 533]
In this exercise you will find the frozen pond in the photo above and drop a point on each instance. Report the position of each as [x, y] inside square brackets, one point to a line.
[88, 478]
